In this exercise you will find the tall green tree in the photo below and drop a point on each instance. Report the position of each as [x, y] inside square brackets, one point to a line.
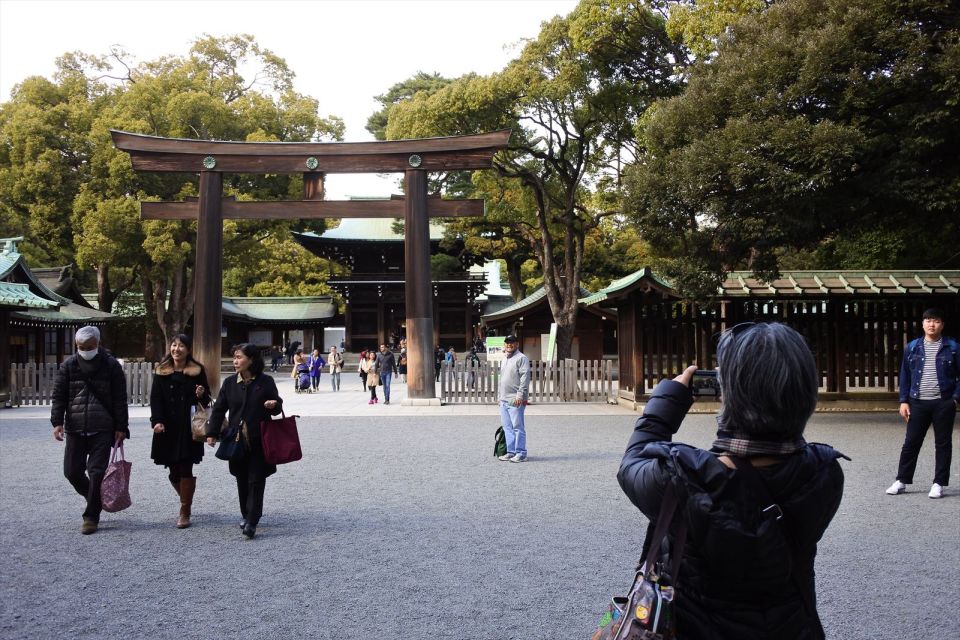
[827, 129]
[223, 88]
[568, 98]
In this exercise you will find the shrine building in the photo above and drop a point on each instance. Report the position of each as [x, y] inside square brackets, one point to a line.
[374, 290]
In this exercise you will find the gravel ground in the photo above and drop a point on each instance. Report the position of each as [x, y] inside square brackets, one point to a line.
[400, 527]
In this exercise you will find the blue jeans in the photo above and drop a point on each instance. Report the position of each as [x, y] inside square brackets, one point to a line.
[513, 428]
[335, 380]
[385, 383]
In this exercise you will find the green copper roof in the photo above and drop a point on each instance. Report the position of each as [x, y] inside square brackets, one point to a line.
[19, 296]
[624, 283]
[371, 230]
[274, 309]
[529, 302]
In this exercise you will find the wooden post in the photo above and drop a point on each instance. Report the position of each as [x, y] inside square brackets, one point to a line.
[419, 298]
[208, 278]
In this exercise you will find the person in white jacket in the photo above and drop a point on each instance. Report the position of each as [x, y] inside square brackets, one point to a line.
[512, 394]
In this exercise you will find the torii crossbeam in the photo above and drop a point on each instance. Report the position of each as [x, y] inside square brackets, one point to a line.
[211, 159]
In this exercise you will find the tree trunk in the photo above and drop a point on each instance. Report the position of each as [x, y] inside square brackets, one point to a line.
[566, 329]
[105, 297]
[154, 346]
[518, 291]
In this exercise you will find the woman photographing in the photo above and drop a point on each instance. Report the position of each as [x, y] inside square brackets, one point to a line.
[247, 399]
[755, 504]
[180, 385]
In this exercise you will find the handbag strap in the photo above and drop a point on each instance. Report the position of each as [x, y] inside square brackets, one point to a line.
[88, 383]
[665, 522]
[117, 450]
[755, 480]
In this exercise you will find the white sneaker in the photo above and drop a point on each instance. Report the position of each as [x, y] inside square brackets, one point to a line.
[507, 457]
[936, 491]
[897, 487]
[519, 458]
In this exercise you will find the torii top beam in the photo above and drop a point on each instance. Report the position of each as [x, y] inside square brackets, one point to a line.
[453, 153]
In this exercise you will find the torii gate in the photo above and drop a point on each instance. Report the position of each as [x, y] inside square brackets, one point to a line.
[211, 159]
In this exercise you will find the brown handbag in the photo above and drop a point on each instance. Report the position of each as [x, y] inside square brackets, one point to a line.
[198, 423]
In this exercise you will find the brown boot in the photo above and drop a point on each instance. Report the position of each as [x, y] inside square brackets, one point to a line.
[187, 487]
[176, 484]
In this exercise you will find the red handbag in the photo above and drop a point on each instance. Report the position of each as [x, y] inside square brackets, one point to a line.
[281, 442]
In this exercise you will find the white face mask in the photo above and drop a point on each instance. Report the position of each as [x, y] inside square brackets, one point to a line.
[87, 355]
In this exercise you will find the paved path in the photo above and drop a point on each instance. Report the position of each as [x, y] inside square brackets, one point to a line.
[399, 524]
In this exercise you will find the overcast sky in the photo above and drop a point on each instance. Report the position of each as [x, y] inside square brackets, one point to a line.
[343, 52]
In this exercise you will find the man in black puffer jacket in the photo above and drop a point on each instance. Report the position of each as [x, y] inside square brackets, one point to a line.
[746, 574]
[90, 406]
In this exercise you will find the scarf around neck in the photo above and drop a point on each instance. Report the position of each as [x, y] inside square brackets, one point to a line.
[740, 443]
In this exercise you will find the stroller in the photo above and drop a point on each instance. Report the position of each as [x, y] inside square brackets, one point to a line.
[303, 379]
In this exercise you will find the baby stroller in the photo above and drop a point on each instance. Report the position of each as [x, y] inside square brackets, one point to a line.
[303, 378]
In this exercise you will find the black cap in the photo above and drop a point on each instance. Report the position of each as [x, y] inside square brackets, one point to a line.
[511, 338]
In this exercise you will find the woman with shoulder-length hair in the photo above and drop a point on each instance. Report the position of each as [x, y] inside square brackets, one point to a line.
[180, 384]
[247, 399]
[756, 503]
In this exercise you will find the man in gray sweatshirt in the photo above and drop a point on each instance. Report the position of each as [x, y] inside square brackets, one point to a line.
[512, 394]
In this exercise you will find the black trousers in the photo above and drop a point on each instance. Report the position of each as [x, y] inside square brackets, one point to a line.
[923, 413]
[85, 460]
[251, 485]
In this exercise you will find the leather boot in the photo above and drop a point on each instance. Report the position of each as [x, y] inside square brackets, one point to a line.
[187, 487]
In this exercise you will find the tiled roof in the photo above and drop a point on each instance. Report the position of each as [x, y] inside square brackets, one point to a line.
[625, 284]
[369, 230]
[19, 296]
[529, 302]
[304, 309]
[844, 283]
[69, 312]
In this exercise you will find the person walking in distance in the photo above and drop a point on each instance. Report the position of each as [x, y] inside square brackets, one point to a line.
[929, 394]
[179, 385]
[371, 379]
[386, 366]
[335, 361]
[89, 405]
[512, 396]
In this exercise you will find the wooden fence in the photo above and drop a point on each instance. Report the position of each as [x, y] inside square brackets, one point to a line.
[32, 384]
[567, 381]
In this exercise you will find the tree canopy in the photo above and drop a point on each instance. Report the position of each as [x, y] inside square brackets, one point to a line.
[75, 197]
[822, 133]
[569, 99]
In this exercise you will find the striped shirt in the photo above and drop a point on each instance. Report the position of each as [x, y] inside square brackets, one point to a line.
[929, 386]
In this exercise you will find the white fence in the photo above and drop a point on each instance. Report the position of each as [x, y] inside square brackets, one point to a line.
[33, 383]
[567, 381]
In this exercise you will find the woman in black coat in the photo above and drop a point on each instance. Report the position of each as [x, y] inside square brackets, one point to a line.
[247, 399]
[755, 504]
[180, 384]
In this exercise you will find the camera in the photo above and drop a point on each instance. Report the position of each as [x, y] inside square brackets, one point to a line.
[704, 384]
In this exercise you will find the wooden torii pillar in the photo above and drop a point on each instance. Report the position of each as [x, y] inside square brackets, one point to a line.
[211, 159]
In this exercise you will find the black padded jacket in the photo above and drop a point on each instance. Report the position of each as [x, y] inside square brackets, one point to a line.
[79, 410]
[744, 575]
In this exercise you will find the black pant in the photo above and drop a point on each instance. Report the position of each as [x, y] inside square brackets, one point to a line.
[85, 460]
[941, 414]
[251, 484]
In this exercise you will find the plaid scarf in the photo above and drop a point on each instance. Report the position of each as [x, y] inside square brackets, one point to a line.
[739, 443]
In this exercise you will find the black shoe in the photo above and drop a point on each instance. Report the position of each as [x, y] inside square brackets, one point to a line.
[249, 530]
[386, 402]
[243, 523]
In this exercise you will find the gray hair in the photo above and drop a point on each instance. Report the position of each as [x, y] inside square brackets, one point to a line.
[84, 334]
[768, 381]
